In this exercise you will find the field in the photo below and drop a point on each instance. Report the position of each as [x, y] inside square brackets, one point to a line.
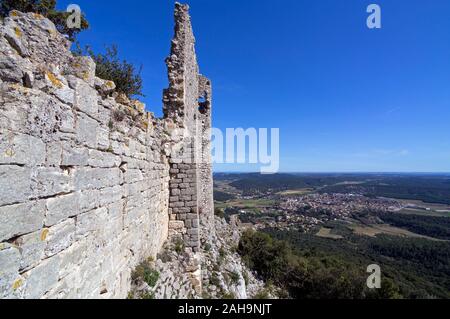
[297, 192]
[326, 233]
[374, 230]
[417, 207]
[246, 204]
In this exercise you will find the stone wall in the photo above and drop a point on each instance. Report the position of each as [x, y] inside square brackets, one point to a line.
[90, 183]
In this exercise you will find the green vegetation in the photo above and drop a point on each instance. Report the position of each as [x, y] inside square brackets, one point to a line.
[436, 227]
[222, 196]
[418, 267]
[234, 278]
[263, 294]
[308, 267]
[179, 245]
[428, 188]
[145, 272]
[46, 8]
[127, 78]
[219, 212]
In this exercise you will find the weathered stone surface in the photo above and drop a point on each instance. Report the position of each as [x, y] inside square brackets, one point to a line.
[32, 247]
[88, 180]
[10, 281]
[74, 156]
[60, 237]
[61, 208]
[46, 182]
[87, 130]
[15, 184]
[85, 96]
[21, 219]
[39, 280]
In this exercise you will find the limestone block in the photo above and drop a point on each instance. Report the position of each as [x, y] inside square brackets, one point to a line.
[60, 237]
[115, 210]
[32, 247]
[10, 280]
[16, 220]
[103, 86]
[89, 200]
[90, 222]
[83, 67]
[110, 195]
[103, 142]
[96, 178]
[21, 149]
[74, 156]
[54, 154]
[46, 182]
[10, 69]
[86, 130]
[103, 159]
[72, 257]
[9, 259]
[14, 35]
[61, 90]
[15, 184]
[39, 280]
[61, 208]
[133, 176]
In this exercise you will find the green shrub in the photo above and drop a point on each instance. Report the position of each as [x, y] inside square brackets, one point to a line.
[207, 247]
[47, 8]
[214, 280]
[148, 295]
[219, 213]
[228, 295]
[179, 245]
[234, 278]
[246, 277]
[127, 78]
[262, 294]
[146, 273]
[305, 276]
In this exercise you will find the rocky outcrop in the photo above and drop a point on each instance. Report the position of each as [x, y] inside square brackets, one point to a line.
[90, 183]
[224, 275]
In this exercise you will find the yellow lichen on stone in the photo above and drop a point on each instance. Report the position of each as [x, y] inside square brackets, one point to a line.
[54, 80]
[18, 32]
[110, 84]
[38, 16]
[14, 13]
[17, 284]
[85, 75]
[10, 152]
[44, 234]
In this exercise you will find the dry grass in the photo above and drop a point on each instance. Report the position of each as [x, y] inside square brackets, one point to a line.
[326, 233]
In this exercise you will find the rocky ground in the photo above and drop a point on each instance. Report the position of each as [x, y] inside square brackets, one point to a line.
[224, 276]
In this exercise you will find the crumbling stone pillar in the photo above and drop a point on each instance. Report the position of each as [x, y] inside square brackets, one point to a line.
[187, 103]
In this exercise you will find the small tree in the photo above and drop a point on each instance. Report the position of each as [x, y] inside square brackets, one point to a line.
[127, 78]
[47, 8]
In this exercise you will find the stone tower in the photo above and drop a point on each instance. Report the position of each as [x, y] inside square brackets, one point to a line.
[187, 103]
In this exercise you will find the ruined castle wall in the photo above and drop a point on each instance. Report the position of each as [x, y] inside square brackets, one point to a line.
[84, 182]
[90, 183]
[204, 167]
[188, 183]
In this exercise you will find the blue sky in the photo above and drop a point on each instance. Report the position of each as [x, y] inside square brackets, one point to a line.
[345, 98]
